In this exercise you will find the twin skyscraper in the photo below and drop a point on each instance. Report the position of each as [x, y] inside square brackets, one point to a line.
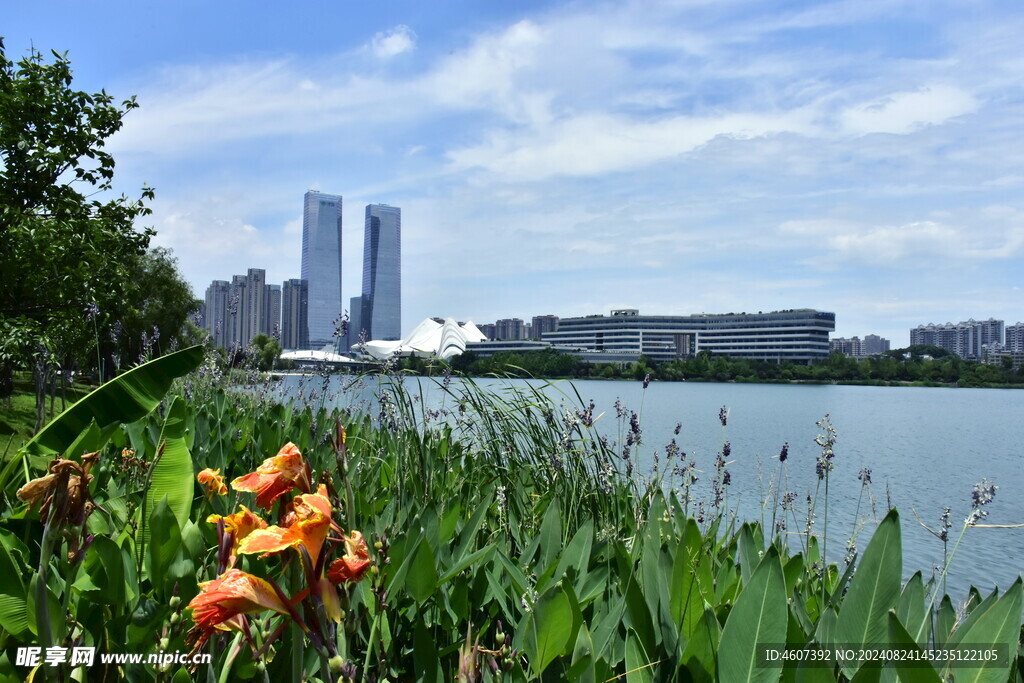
[307, 311]
[377, 312]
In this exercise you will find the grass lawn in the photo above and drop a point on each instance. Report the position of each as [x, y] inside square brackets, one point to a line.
[18, 414]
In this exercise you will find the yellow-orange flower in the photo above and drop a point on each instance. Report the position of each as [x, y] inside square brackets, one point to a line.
[311, 520]
[221, 601]
[276, 476]
[332, 603]
[240, 525]
[213, 482]
[354, 564]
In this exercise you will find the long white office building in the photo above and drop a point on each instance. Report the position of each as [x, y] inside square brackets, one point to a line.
[799, 335]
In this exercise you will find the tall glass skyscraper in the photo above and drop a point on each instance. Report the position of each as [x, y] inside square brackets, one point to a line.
[295, 307]
[381, 314]
[321, 265]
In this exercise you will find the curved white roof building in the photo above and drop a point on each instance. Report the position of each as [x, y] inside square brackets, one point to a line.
[429, 338]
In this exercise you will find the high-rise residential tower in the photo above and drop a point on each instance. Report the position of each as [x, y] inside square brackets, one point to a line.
[255, 304]
[215, 320]
[321, 265]
[381, 305]
[272, 308]
[294, 306]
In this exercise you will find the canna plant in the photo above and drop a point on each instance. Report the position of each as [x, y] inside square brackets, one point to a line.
[230, 602]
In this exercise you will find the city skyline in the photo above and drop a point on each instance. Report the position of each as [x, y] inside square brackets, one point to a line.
[673, 157]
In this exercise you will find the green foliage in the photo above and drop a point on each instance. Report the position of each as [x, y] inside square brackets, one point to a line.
[486, 551]
[155, 315]
[60, 248]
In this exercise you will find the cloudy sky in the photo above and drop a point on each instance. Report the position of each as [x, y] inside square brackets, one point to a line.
[678, 157]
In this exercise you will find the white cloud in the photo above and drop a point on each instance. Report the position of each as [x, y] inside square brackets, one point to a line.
[996, 234]
[902, 113]
[387, 44]
[594, 144]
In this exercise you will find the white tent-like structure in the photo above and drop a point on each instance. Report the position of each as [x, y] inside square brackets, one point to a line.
[309, 357]
[429, 338]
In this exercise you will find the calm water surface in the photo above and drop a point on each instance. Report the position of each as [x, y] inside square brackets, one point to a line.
[925, 447]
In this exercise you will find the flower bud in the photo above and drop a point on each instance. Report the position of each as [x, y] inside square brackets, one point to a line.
[378, 545]
[175, 618]
[336, 663]
[500, 638]
[259, 666]
[174, 602]
[164, 643]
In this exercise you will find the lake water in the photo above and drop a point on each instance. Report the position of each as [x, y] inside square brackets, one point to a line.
[926, 448]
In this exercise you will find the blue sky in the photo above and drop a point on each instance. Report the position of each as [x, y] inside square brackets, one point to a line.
[570, 158]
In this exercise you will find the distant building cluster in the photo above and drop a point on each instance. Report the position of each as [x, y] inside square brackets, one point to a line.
[970, 340]
[798, 335]
[514, 329]
[238, 310]
[1011, 352]
[870, 345]
[307, 312]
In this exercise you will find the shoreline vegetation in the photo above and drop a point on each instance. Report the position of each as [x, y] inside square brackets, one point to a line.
[916, 366]
[496, 537]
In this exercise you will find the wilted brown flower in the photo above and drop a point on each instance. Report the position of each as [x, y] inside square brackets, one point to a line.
[63, 491]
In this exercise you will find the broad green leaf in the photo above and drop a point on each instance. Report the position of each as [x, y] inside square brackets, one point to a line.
[577, 552]
[13, 615]
[945, 621]
[910, 609]
[550, 536]
[702, 648]
[124, 399]
[980, 608]
[548, 629]
[469, 531]
[425, 654]
[863, 616]
[103, 569]
[480, 557]
[793, 570]
[639, 667]
[173, 476]
[582, 668]
[749, 555]
[999, 625]
[163, 546]
[909, 672]
[422, 578]
[759, 618]
[686, 602]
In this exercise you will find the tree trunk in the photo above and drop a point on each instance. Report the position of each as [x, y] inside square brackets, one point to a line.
[39, 373]
[6, 380]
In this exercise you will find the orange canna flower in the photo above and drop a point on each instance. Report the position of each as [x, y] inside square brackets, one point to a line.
[213, 482]
[276, 476]
[234, 593]
[310, 520]
[354, 564]
[240, 524]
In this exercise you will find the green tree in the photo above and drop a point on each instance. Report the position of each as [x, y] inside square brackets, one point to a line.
[65, 243]
[157, 314]
[267, 351]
